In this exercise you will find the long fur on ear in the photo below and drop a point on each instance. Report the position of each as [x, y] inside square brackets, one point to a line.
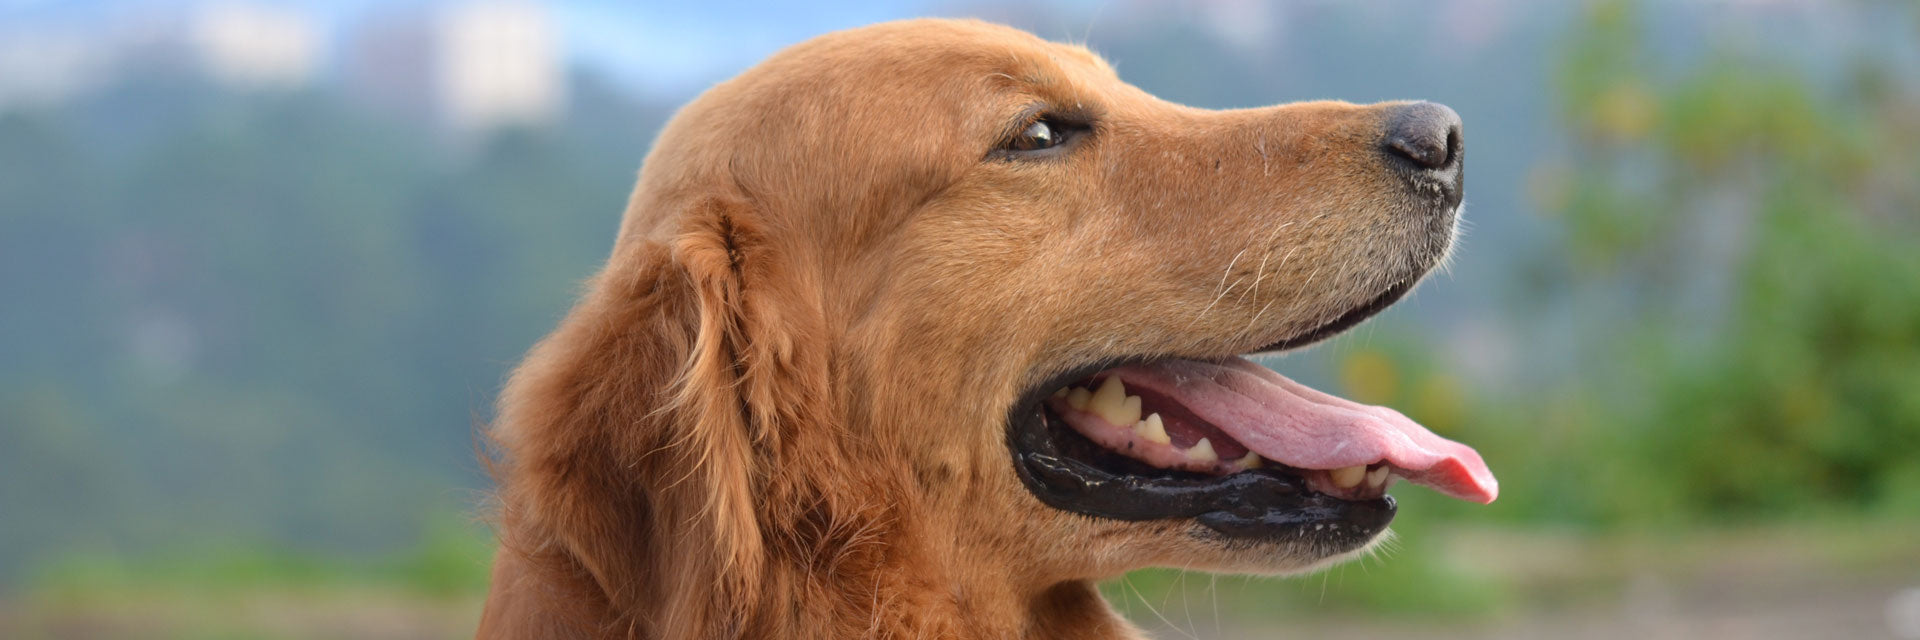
[628, 441]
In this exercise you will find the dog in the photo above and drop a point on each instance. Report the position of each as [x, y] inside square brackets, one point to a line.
[920, 329]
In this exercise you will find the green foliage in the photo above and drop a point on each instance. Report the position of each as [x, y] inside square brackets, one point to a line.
[451, 561]
[270, 317]
[1766, 361]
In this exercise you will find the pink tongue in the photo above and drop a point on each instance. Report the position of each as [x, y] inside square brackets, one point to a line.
[1292, 424]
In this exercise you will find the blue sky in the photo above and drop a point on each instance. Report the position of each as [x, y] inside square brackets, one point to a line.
[657, 47]
[676, 46]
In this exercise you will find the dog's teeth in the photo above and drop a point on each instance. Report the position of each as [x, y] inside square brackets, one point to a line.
[1377, 478]
[1348, 477]
[1202, 451]
[1110, 402]
[1110, 395]
[1250, 461]
[1153, 429]
[1078, 398]
[1129, 412]
[1060, 392]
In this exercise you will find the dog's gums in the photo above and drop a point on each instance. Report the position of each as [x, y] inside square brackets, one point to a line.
[1222, 417]
[1111, 418]
[1267, 504]
[1242, 450]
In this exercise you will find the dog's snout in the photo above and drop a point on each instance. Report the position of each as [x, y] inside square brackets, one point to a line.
[1424, 134]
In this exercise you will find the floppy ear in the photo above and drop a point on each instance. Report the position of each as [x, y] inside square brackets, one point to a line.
[633, 439]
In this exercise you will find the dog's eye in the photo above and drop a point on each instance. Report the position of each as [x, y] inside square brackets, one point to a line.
[1045, 136]
[1039, 135]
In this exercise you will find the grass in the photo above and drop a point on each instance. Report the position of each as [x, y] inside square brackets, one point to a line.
[1435, 577]
[1450, 576]
[239, 591]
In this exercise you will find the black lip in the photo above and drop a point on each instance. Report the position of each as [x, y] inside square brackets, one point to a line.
[1346, 320]
[1067, 472]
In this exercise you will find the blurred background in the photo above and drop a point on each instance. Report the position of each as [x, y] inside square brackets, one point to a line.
[263, 266]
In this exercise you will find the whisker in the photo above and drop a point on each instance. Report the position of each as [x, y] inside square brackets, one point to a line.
[1128, 582]
[1222, 289]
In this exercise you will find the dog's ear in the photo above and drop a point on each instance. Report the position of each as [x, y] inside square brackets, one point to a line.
[635, 439]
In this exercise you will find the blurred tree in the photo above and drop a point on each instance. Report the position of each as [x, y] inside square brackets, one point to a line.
[269, 319]
[1760, 353]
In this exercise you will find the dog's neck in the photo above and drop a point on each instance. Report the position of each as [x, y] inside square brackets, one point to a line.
[887, 573]
[877, 584]
[927, 593]
[876, 591]
[916, 608]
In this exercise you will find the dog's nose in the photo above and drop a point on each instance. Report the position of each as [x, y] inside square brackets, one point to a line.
[1425, 134]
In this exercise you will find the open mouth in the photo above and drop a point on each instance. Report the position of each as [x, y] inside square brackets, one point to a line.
[1241, 450]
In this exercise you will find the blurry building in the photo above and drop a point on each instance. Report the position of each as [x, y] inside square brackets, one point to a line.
[469, 67]
[48, 60]
[255, 45]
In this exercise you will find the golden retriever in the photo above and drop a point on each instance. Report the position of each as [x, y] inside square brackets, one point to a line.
[920, 329]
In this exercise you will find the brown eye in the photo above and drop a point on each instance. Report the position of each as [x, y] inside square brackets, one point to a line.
[1044, 137]
[1037, 136]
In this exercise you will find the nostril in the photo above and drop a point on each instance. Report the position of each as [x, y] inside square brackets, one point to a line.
[1424, 133]
[1424, 151]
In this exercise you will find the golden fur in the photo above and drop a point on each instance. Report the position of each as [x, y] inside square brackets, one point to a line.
[780, 409]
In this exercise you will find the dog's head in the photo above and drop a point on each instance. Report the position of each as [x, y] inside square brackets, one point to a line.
[951, 281]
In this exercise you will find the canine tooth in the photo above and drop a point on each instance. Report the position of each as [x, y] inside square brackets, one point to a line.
[1153, 429]
[1112, 403]
[1377, 478]
[1348, 477]
[1060, 392]
[1078, 398]
[1108, 398]
[1250, 461]
[1202, 451]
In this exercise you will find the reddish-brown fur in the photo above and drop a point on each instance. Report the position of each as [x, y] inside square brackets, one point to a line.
[779, 410]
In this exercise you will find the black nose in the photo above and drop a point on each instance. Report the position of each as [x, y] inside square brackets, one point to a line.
[1425, 134]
